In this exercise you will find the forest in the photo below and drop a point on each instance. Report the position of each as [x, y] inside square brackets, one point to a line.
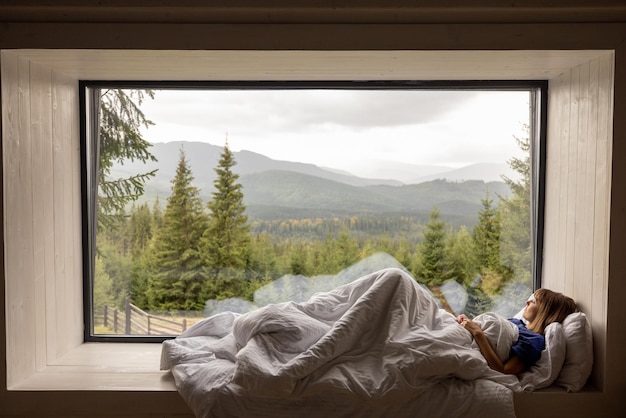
[180, 254]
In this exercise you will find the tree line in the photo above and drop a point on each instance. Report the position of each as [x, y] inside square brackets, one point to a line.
[179, 256]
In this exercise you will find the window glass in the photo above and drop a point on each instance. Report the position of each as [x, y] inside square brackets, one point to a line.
[226, 199]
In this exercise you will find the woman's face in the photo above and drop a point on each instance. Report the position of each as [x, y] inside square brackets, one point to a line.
[530, 311]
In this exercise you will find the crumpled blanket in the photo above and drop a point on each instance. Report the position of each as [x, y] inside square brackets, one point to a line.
[381, 340]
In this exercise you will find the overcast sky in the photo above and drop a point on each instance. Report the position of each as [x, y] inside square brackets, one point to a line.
[347, 129]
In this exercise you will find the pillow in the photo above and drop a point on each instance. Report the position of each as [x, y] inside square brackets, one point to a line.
[578, 353]
[547, 369]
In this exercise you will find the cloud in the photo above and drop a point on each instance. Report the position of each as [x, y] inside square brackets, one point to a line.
[298, 110]
[330, 127]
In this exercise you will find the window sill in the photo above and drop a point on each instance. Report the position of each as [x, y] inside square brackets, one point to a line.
[131, 367]
[115, 372]
[103, 367]
[135, 367]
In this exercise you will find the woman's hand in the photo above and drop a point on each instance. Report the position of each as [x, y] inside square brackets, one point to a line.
[513, 365]
[469, 325]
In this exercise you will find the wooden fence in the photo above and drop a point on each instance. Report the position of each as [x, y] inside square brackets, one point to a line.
[134, 321]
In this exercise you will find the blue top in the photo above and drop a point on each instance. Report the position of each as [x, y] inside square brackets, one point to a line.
[529, 345]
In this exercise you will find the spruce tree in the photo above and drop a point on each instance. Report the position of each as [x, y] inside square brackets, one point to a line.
[486, 237]
[141, 228]
[433, 251]
[120, 141]
[516, 242]
[227, 238]
[177, 258]
[263, 257]
[459, 258]
[347, 250]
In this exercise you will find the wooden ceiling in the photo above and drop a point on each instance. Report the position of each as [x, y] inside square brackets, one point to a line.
[328, 11]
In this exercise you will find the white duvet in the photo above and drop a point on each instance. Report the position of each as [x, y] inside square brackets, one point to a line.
[379, 346]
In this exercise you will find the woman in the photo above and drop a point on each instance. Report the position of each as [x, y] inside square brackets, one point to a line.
[542, 308]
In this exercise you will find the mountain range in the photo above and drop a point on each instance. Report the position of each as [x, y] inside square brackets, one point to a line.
[274, 188]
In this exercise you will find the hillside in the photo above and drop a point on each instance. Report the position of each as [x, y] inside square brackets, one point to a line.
[276, 189]
[325, 198]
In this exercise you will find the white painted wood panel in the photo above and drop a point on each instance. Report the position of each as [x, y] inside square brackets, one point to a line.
[59, 320]
[24, 220]
[570, 182]
[69, 196]
[556, 183]
[40, 134]
[602, 216]
[309, 65]
[553, 178]
[44, 203]
[578, 193]
[77, 334]
[19, 366]
[42, 215]
[588, 158]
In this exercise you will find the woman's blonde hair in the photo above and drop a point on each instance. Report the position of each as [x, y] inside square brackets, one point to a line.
[551, 307]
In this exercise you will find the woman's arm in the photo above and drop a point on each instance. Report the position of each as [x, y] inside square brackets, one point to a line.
[514, 365]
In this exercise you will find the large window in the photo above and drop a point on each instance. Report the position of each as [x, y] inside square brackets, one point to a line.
[205, 198]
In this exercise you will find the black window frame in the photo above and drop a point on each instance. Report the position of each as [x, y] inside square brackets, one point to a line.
[88, 152]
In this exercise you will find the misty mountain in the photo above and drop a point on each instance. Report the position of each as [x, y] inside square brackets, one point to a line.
[298, 190]
[203, 159]
[276, 194]
[404, 172]
[291, 189]
[488, 172]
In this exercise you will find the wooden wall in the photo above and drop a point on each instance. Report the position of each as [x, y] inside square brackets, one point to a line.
[578, 191]
[42, 213]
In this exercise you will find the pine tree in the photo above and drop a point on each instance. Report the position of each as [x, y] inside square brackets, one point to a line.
[227, 238]
[117, 265]
[459, 259]
[120, 141]
[486, 240]
[140, 229]
[263, 259]
[477, 302]
[486, 237]
[157, 215]
[299, 259]
[347, 249]
[102, 286]
[433, 251]
[177, 259]
[516, 242]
